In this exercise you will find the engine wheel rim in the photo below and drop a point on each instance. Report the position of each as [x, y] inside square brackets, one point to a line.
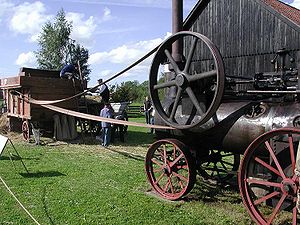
[25, 130]
[184, 80]
[170, 169]
[279, 185]
[219, 166]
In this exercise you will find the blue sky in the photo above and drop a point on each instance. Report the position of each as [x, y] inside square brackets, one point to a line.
[116, 32]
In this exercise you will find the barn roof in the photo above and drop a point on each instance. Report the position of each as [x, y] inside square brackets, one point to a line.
[292, 14]
[286, 10]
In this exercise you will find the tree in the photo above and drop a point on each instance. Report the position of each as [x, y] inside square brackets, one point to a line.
[81, 55]
[129, 91]
[56, 48]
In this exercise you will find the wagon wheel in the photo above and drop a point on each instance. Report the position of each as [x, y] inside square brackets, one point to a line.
[26, 130]
[267, 181]
[203, 89]
[219, 166]
[170, 168]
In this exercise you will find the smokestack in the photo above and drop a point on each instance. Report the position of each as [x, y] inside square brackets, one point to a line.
[177, 25]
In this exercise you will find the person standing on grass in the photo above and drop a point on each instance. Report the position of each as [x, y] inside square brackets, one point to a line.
[106, 112]
[147, 109]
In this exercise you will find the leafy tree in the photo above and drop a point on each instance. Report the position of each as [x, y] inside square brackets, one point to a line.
[127, 91]
[81, 55]
[56, 48]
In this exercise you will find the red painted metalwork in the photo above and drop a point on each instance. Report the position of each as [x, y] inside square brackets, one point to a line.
[267, 180]
[25, 130]
[170, 168]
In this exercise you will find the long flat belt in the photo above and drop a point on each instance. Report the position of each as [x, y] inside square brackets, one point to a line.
[99, 118]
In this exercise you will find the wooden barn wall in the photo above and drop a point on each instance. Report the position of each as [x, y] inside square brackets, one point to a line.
[247, 35]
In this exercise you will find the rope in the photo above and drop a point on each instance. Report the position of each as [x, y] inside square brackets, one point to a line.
[19, 201]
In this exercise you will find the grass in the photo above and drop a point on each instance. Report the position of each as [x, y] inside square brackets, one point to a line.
[89, 184]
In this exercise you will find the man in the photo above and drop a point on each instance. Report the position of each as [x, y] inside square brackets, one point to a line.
[106, 112]
[147, 109]
[67, 72]
[103, 91]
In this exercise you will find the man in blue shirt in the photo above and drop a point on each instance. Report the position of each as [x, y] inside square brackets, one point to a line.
[68, 71]
[106, 112]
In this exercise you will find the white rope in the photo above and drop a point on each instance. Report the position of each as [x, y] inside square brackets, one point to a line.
[19, 201]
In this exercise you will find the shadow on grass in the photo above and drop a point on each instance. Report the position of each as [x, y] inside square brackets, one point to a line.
[46, 207]
[42, 174]
[16, 157]
[208, 191]
[132, 138]
[128, 155]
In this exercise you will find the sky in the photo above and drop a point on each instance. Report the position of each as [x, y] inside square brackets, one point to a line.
[116, 32]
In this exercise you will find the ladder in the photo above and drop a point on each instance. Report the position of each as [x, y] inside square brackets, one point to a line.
[82, 106]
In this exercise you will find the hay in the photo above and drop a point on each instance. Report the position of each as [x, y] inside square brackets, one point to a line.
[4, 124]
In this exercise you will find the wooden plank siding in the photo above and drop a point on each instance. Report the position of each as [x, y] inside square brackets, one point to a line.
[248, 33]
[39, 85]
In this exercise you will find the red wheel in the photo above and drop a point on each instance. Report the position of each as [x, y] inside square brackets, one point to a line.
[267, 180]
[25, 130]
[170, 168]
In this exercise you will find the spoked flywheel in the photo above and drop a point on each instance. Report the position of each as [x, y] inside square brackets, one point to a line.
[170, 168]
[198, 80]
[267, 180]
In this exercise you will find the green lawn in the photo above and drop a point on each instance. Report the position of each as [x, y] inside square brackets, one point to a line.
[89, 184]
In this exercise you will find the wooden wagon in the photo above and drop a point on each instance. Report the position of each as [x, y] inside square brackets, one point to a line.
[39, 85]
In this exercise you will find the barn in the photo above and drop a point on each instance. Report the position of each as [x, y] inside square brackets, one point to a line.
[248, 33]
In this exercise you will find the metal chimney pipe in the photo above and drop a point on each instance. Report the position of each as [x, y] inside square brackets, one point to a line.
[177, 25]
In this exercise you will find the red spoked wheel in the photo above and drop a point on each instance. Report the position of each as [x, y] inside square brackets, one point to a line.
[267, 180]
[26, 130]
[170, 168]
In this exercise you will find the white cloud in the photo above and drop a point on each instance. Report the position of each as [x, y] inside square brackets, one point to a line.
[28, 18]
[82, 29]
[296, 4]
[5, 6]
[26, 59]
[106, 14]
[125, 54]
[105, 73]
[115, 60]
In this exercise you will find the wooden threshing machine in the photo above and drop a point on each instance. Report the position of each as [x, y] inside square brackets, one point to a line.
[39, 85]
[220, 115]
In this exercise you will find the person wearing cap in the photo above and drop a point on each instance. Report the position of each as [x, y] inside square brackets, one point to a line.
[103, 91]
[67, 72]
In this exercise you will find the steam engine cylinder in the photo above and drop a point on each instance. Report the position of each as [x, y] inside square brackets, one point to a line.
[236, 124]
